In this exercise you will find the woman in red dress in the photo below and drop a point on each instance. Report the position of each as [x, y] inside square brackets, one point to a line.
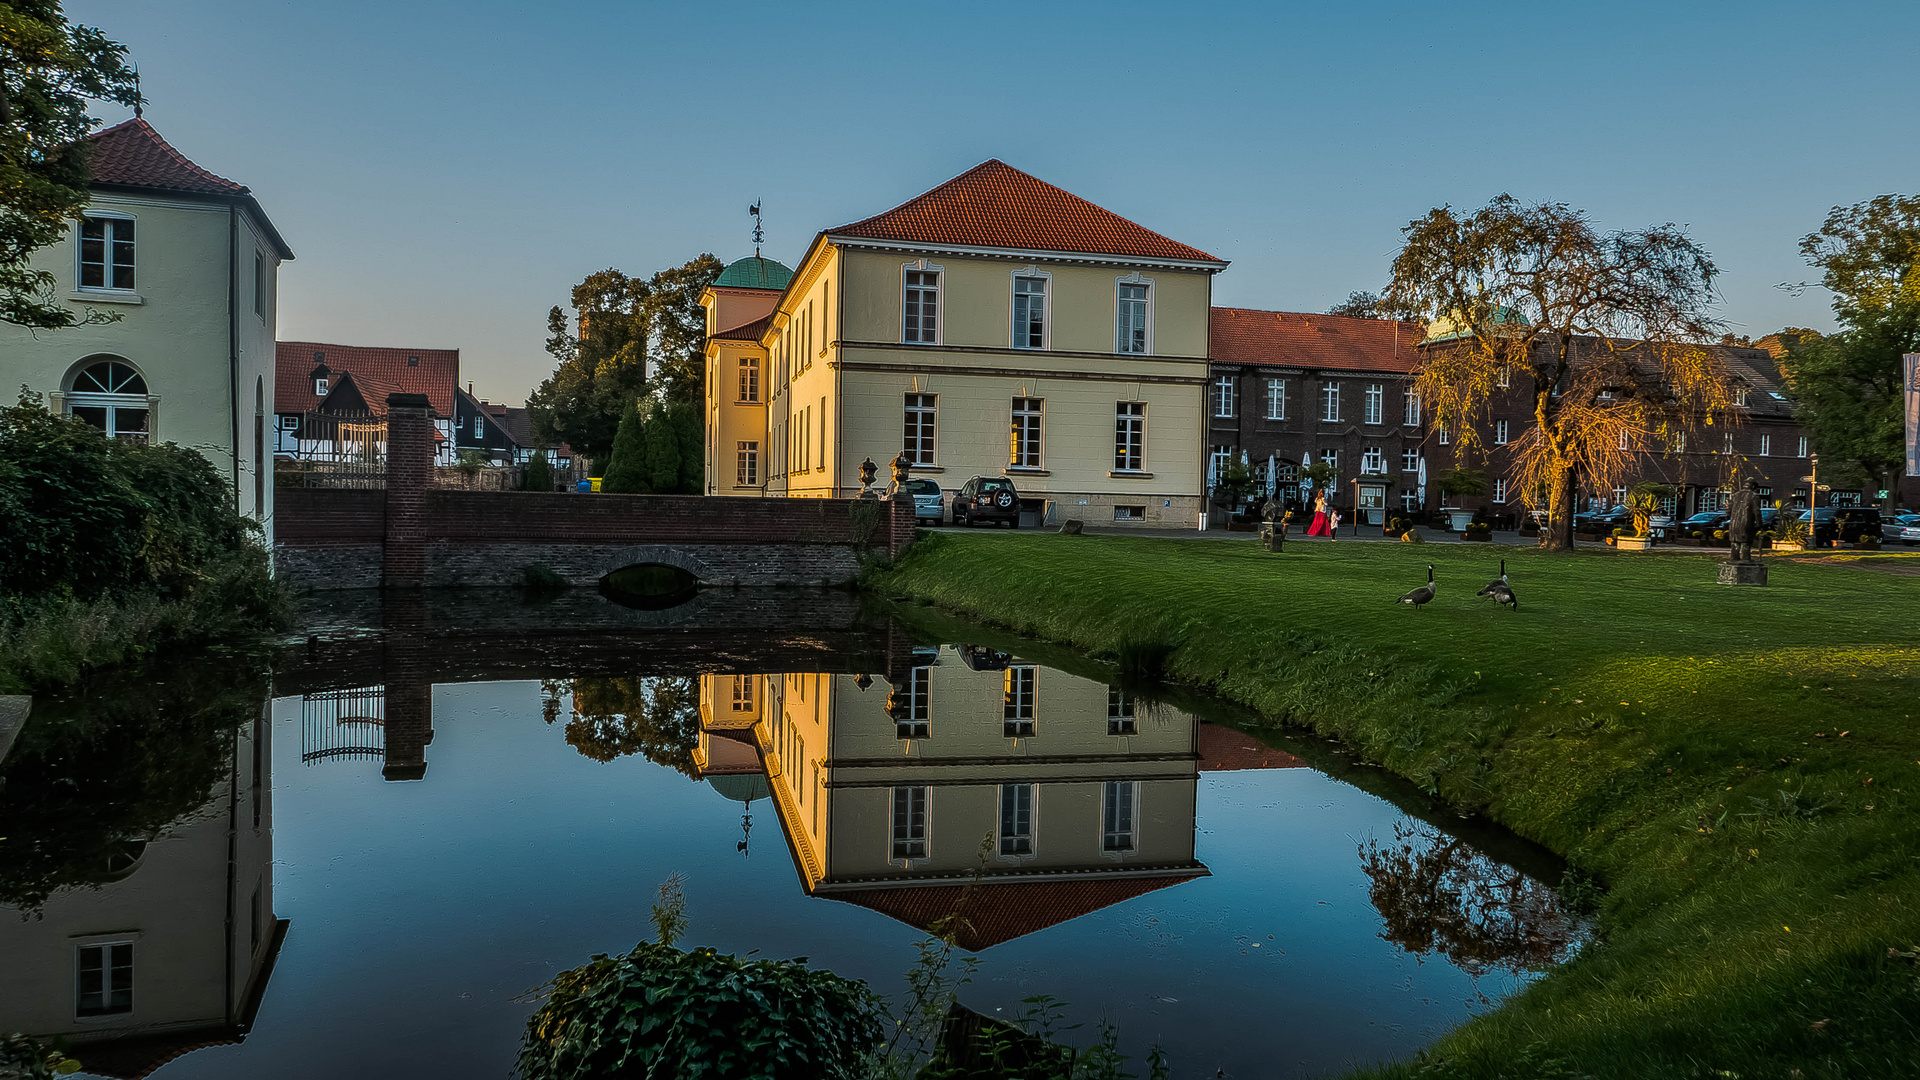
[1319, 527]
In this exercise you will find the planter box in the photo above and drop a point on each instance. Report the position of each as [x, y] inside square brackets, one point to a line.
[1632, 543]
[1471, 538]
[1457, 520]
[1782, 545]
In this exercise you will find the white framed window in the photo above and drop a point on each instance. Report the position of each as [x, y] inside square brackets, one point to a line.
[1218, 460]
[1499, 433]
[920, 304]
[1504, 380]
[1619, 496]
[1441, 431]
[1330, 401]
[1799, 498]
[1016, 819]
[1740, 396]
[103, 979]
[1276, 399]
[1411, 402]
[921, 412]
[1373, 461]
[1021, 701]
[106, 252]
[319, 388]
[1120, 718]
[1332, 459]
[1133, 310]
[290, 422]
[1226, 396]
[1410, 460]
[1409, 500]
[746, 467]
[749, 379]
[1677, 442]
[909, 823]
[1119, 815]
[1375, 402]
[1129, 513]
[743, 693]
[1129, 436]
[1028, 417]
[1803, 447]
[1030, 310]
[918, 721]
[1766, 445]
[1500, 489]
[260, 285]
[1727, 447]
[111, 395]
[1624, 441]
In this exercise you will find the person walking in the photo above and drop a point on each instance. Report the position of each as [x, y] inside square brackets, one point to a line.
[1319, 526]
[1333, 524]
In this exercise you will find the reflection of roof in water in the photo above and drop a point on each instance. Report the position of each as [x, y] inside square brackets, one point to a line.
[1223, 749]
[137, 1056]
[740, 787]
[1000, 911]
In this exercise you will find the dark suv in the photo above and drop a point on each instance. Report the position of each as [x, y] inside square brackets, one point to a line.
[987, 498]
[1845, 524]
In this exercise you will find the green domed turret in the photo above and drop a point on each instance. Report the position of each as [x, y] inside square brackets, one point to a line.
[754, 272]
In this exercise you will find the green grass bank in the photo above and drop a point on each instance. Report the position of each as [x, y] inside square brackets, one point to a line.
[1738, 767]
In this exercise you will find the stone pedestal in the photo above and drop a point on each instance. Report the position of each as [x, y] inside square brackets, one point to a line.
[1273, 537]
[1734, 572]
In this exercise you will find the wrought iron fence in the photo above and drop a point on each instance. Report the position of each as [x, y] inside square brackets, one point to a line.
[337, 451]
[343, 724]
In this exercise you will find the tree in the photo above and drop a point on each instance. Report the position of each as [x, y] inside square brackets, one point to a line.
[663, 449]
[627, 472]
[1847, 386]
[693, 449]
[677, 327]
[538, 475]
[658, 718]
[1368, 305]
[1610, 328]
[49, 72]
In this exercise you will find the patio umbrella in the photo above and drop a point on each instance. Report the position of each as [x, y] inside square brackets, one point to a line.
[1273, 483]
[1306, 462]
[1422, 486]
[1213, 472]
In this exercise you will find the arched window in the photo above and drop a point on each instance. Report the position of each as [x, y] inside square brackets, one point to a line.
[111, 394]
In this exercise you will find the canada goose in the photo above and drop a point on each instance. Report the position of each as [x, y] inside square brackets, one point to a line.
[1502, 593]
[1497, 583]
[1422, 594]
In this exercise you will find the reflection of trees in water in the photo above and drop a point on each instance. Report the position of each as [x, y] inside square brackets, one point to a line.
[657, 718]
[1436, 893]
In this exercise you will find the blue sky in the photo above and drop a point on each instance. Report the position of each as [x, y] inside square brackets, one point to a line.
[446, 171]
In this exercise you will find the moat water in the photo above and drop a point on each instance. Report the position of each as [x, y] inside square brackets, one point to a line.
[365, 863]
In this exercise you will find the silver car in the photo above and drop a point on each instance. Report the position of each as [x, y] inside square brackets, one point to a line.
[1902, 527]
[926, 500]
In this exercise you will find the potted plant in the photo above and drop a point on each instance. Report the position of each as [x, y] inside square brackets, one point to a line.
[1457, 484]
[1792, 533]
[1477, 530]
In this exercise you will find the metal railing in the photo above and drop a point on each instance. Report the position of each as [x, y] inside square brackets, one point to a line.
[343, 724]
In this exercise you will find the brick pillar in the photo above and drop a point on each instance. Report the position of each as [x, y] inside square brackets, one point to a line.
[409, 475]
[409, 687]
[900, 522]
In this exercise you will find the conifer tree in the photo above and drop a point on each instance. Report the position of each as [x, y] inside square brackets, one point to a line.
[539, 474]
[627, 472]
[663, 450]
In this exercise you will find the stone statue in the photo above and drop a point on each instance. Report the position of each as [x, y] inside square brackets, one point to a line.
[1743, 520]
[902, 466]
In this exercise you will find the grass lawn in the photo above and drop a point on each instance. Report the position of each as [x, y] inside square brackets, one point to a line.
[1738, 767]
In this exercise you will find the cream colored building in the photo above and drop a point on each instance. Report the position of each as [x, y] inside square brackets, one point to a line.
[189, 263]
[994, 326]
[1064, 794]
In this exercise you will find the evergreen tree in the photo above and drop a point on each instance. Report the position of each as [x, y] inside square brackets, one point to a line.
[663, 450]
[693, 450]
[627, 472]
[539, 474]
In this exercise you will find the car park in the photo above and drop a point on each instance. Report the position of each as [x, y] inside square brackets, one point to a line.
[1705, 524]
[926, 500]
[987, 498]
[1843, 524]
[1603, 521]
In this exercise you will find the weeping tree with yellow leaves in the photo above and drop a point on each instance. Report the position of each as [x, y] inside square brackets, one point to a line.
[1609, 332]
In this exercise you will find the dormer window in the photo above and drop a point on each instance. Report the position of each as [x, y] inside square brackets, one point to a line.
[1740, 397]
[319, 388]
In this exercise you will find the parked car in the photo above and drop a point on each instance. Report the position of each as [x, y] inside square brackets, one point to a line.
[987, 498]
[1603, 521]
[926, 500]
[1706, 523]
[1844, 524]
[1903, 527]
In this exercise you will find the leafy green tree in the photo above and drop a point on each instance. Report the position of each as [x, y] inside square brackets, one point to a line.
[657, 718]
[1847, 385]
[663, 449]
[627, 472]
[677, 327]
[1368, 305]
[49, 72]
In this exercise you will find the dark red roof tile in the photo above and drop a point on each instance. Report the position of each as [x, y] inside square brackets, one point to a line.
[996, 205]
[132, 154]
[1323, 342]
[998, 911]
[378, 370]
[1223, 749]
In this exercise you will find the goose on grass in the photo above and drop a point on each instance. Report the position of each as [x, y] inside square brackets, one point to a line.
[1423, 594]
[1502, 594]
[1497, 583]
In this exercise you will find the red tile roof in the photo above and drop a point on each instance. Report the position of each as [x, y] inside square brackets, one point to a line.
[1222, 749]
[996, 205]
[999, 911]
[747, 331]
[377, 370]
[132, 154]
[1326, 342]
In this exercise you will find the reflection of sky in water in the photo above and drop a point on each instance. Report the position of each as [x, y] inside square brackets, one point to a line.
[421, 911]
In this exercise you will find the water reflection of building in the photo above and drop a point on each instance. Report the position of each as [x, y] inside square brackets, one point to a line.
[1063, 795]
[172, 951]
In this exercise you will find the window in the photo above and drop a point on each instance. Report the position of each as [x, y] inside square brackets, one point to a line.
[1606, 394]
[1728, 447]
[1677, 442]
[909, 823]
[921, 307]
[104, 986]
[1332, 458]
[1409, 500]
[1120, 719]
[1375, 402]
[1016, 819]
[749, 378]
[1499, 433]
[917, 723]
[319, 388]
[1129, 513]
[260, 287]
[1017, 711]
[1413, 408]
[1025, 450]
[1330, 401]
[1029, 313]
[1218, 461]
[1803, 447]
[1442, 432]
[743, 693]
[1131, 304]
[1276, 399]
[106, 253]
[746, 468]
[1226, 396]
[1799, 498]
[1624, 440]
[920, 428]
[1766, 445]
[1118, 805]
[1619, 496]
[1740, 396]
[1504, 380]
[1500, 489]
[1129, 436]
[1410, 460]
[1373, 461]
[112, 396]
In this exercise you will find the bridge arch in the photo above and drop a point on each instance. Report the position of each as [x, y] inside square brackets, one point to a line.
[662, 555]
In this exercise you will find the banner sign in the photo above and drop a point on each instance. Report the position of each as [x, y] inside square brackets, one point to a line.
[1912, 384]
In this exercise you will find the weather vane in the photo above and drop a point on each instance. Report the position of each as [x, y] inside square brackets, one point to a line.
[758, 235]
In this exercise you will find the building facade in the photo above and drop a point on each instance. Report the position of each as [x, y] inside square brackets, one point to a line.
[189, 264]
[994, 326]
